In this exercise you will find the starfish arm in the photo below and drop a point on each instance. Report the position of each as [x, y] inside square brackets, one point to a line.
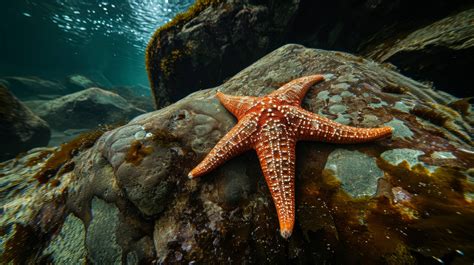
[276, 152]
[238, 140]
[235, 104]
[311, 126]
[294, 91]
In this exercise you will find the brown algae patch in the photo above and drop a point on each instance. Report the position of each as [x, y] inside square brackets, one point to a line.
[39, 158]
[65, 153]
[424, 217]
[137, 152]
[164, 138]
[445, 117]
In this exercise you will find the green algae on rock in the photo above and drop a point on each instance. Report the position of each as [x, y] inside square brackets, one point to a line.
[419, 213]
[101, 241]
[68, 247]
[357, 172]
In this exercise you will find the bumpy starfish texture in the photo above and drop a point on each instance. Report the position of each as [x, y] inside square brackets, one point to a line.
[271, 125]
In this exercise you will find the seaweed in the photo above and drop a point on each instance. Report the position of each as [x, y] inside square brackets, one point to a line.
[164, 138]
[38, 158]
[462, 105]
[19, 247]
[137, 152]
[394, 89]
[440, 201]
[445, 117]
[58, 161]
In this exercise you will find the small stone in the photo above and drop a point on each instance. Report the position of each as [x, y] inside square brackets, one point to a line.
[140, 135]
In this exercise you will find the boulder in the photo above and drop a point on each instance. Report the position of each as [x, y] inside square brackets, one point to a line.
[20, 129]
[215, 39]
[403, 200]
[79, 82]
[441, 52]
[139, 96]
[85, 109]
[212, 41]
[27, 88]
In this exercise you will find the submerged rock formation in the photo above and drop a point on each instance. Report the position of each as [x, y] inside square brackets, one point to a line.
[127, 198]
[79, 82]
[216, 39]
[85, 109]
[441, 52]
[20, 129]
[212, 41]
[32, 87]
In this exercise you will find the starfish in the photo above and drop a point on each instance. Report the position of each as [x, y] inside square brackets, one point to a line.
[271, 125]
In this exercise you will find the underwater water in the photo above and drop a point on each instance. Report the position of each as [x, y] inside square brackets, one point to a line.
[101, 39]
[236, 132]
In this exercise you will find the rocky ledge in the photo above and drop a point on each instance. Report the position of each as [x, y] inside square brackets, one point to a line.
[20, 129]
[123, 197]
[215, 39]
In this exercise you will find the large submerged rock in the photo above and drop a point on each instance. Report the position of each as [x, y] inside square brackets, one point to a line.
[78, 82]
[20, 129]
[212, 41]
[85, 109]
[215, 39]
[441, 52]
[127, 199]
[32, 87]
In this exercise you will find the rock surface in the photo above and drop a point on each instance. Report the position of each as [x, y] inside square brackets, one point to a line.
[139, 96]
[215, 39]
[20, 129]
[441, 52]
[130, 188]
[85, 109]
[79, 82]
[212, 41]
[32, 87]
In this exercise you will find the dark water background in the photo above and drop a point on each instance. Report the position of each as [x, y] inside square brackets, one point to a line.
[104, 40]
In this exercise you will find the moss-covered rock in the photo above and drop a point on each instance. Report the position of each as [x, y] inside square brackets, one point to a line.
[404, 203]
[215, 39]
[211, 41]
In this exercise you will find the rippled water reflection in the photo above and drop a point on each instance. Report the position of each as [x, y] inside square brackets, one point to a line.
[136, 19]
[53, 38]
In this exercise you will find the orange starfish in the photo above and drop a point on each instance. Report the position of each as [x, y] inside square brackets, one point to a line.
[271, 125]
